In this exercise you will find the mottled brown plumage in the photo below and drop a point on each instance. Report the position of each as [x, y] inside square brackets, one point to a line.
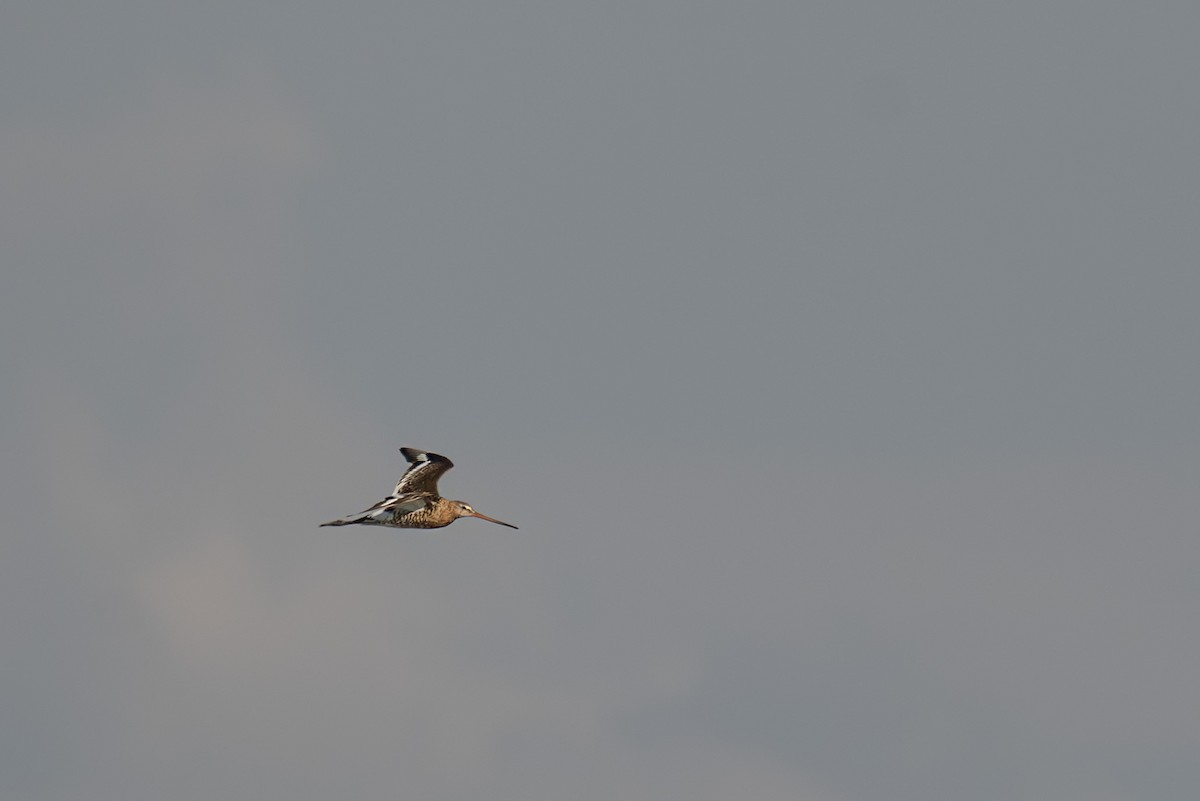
[415, 502]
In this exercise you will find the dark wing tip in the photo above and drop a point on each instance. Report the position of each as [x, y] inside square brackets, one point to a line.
[416, 456]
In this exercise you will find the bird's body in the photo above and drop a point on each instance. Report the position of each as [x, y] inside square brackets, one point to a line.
[415, 502]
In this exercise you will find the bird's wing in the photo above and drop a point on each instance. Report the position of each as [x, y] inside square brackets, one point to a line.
[423, 473]
[384, 511]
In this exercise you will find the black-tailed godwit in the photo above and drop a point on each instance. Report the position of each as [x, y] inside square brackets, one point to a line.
[415, 502]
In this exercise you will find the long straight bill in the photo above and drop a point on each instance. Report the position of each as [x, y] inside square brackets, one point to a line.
[492, 520]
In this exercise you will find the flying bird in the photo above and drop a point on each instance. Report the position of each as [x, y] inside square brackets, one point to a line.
[415, 502]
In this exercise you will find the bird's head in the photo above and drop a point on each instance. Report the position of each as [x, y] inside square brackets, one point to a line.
[464, 510]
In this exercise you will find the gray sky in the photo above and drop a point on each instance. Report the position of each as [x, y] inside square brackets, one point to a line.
[837, 360]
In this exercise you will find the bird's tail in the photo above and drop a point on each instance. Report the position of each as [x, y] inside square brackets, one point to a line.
[371, 518]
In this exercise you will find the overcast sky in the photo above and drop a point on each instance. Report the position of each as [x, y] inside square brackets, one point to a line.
[838, 361]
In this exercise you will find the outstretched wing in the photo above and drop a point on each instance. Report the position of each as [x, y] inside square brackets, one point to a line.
[416, 489]
[423, 473]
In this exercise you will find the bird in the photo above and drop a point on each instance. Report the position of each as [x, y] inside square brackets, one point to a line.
[415, 502]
